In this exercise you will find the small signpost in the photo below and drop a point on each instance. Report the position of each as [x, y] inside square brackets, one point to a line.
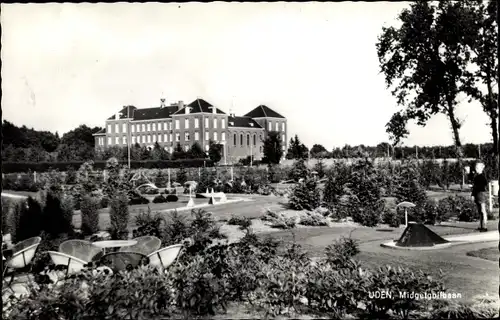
[406, 205]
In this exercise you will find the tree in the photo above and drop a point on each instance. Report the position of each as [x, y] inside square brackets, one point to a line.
[158, 153]
[425, 62]
[318, 151]
[181, 175]
[296, 149]
[299, 170]
[196, 152]
[215, 151]
[320, 168]
[396, 127]
[178, 152]
[485, 58]
[273, 150]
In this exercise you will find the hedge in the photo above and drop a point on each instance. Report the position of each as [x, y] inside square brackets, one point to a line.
[14, 167]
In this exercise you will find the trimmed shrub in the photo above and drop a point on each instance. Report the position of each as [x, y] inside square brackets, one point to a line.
[26, 219]
[341, 252]
[243, 222]
[181, 176]
[119, 216]
[149, 224]
[313, 220]
[172, 198]
[299, 171]
[136, 198]
[159, 199]
[55, 218]
[305, 196]
[90, 214]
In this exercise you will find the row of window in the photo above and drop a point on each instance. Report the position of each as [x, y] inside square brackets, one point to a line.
[163, 138]
[254, 139]
[166, 125]
[277, 126]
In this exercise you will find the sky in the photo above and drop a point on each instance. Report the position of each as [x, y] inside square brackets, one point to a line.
[315, 63]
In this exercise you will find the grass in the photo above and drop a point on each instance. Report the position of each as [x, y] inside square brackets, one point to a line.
[490, 254]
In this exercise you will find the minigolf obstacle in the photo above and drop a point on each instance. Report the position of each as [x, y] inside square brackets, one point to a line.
[190, 203]
[211, 200]
[418, 235]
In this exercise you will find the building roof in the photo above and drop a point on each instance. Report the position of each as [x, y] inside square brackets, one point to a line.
[100, 132]
[242, 122]
[123, 112]
[198, 106]
[154, 113]
[263, 111]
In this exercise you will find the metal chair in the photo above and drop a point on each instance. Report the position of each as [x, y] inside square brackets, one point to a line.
[145, 245]
[23, 253]
[165, 257]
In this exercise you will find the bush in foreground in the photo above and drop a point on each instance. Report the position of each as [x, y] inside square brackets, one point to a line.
[90, 214]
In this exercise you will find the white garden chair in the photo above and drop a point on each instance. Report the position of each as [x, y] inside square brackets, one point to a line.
[23, 254]
[165, 257]
[145, 245]
[73, 264]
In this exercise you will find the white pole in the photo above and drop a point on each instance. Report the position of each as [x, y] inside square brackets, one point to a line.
[232, 178]
[168, 184]
[34, 176]
[490, 197]
[251, 154]
[406, 217]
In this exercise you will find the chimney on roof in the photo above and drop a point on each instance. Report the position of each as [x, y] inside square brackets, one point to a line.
[180, 105]
[162, 103]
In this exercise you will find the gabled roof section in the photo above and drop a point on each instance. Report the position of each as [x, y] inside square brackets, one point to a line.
[198, 106]
[154, 113]
[263, 111]
[100, 132]
[124, 112]
[242, 122]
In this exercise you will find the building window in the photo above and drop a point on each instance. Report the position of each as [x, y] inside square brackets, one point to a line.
[196, 136]
[124, 127]
[124, 139]
[248, 139]
[171, 138]
[206, 148]
[223, 123]
[148, 127]
[223, 136]
[165, 137]
[283, 138]
[207, 136]
[117, 140]
[254, 140]
[234, 140]
[117, 128]
[154, 138]
[277, 126]
[170, 125]
[283, 126]
[143, 127]
[177, 137]
[215, 123]
[241, 139]
[109, 141]
[186, 136]
[196, 123]
[132, 128]
[143, 139]
[159, 138]
[177, 124]
[133, 140]
[149, 138]
[270, 126]
[215, 136]
[206, 123]
[186, 123]
[165, 126]
[154, 126]
[109, 128]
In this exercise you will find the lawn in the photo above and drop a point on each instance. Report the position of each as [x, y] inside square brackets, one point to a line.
[490, 253]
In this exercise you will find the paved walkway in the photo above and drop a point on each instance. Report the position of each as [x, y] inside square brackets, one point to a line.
[453, 240]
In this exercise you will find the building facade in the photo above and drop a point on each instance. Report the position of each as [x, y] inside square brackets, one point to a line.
[200, 122]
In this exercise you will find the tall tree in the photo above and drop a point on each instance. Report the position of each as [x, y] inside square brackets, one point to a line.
[425, 61]
[215, 151]
[196, 151]
[484, 56]
[296, 149]
[318, 151]
[273, 151]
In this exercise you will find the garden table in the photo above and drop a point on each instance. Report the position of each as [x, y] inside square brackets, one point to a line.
[114, 244]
